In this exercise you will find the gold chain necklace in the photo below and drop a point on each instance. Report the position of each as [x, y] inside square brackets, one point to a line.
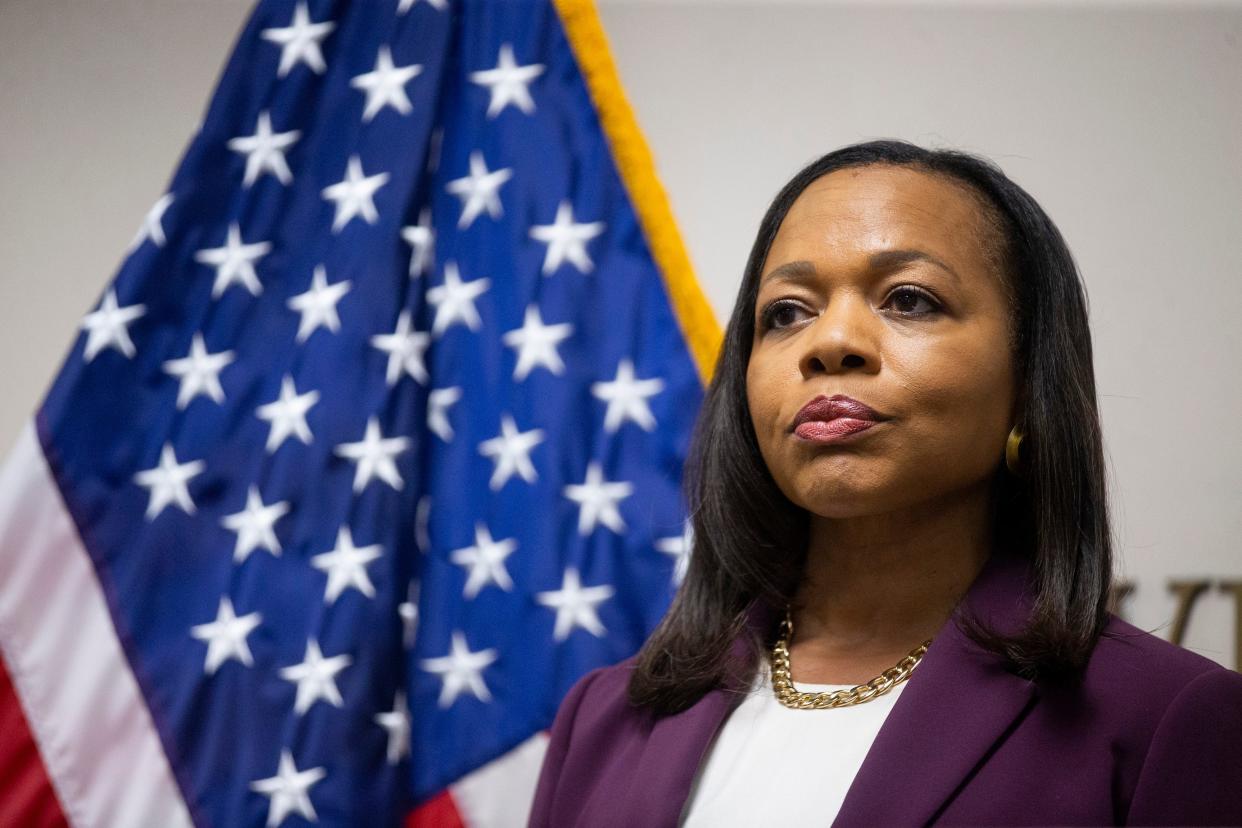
[782, 682]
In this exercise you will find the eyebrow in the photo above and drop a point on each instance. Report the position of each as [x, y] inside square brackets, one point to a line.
[802, 271]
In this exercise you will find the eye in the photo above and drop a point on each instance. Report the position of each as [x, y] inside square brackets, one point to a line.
[911, 301]
[780, 314]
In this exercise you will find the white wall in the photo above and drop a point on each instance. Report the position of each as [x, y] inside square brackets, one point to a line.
[1124, 120]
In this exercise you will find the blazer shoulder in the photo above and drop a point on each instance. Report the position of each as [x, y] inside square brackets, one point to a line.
[1193, 763]
[1168, 720]
[612, 680]
[1134, 683]
[1127, 656]
[600, 693]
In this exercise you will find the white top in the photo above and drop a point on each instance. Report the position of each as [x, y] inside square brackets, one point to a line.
[771, 765]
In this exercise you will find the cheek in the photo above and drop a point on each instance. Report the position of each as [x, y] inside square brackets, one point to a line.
[766, 387]
[773, 393]
[756, 395]
[961, 392]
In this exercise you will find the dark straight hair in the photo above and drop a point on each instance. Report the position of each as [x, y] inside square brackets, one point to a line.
[750, 541]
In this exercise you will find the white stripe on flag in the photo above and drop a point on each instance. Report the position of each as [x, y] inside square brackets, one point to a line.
[84, 707]
[499, 794]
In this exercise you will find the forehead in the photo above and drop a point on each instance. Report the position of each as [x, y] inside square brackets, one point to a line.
[859, 211]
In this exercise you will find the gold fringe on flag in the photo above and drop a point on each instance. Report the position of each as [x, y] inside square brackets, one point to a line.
[633, 159]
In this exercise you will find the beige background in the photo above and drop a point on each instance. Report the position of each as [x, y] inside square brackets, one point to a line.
[1124, 120]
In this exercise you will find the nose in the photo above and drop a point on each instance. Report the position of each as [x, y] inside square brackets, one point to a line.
[842, 339]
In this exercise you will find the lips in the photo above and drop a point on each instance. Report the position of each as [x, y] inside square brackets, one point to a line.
[826, 409]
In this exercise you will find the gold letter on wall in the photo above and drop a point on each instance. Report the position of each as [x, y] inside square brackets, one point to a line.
[1187, 593]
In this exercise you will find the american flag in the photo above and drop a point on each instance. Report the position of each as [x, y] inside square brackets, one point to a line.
[371, 447]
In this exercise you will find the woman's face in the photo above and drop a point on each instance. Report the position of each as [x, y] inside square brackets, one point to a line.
[879, 286]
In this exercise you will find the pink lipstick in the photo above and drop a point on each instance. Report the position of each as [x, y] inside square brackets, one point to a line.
[834, 419]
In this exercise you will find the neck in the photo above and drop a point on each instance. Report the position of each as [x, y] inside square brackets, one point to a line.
[876, 586]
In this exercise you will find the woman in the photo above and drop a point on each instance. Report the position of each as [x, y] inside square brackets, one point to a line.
[898, 482]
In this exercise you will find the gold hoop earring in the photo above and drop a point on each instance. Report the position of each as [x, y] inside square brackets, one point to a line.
[1012, 447]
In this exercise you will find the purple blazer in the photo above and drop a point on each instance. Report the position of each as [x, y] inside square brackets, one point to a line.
[1151, 735]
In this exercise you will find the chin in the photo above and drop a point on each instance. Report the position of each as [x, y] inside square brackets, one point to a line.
[838, 510]
[837, 497]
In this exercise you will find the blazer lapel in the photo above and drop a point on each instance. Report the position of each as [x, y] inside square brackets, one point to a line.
[677, 744]
[669, 761]
[958, 703]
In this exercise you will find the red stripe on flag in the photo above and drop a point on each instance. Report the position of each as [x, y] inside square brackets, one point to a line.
[29, 799]
[437, 812]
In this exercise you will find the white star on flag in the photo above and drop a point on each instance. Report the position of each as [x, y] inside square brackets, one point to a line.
[536, 343]
[438, 5]
[627, 398]
[265, 151]
[354, 194]
[679, 547]
[508, 82]
[397, 723]
[422, 238]
[316, 677]
[167, 482]
[299, 41]
[346, 566]
[318, 305]
[566, 240]
[287, 415]
[234, 262]
[226, 636]
[438, 403]
[405, 348]
[374, 455]
[479, 191]
[461, 670]
[153, 224]
[454, 300]
[254, 525]
[510, 450]
[597, 500]
[289, 791]
[385, 85]
[199, 372]
[107, 326]
[486, 560]
[576, 605]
